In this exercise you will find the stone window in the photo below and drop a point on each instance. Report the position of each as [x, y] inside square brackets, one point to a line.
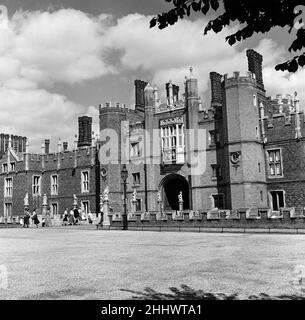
[85, 207]
[36, 185]
[85, 181]
[277, 199]
[218, 201]
[54, 208]
[275, 163]
[136, 178]
[4, 167]
[13, 166]
[172, 139]
[54, 185]
[8, 209]
[214, 137]
[135, 150]
[8, 187]
[216, 171]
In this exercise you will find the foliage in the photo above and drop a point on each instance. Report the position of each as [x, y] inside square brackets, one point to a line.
[254, 16]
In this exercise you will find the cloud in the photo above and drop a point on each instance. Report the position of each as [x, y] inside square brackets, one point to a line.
[38, 49]
[71, 47]
[167, 54]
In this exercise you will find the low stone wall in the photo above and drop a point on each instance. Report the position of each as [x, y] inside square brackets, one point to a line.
[246, 218]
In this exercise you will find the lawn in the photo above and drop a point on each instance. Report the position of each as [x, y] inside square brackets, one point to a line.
[72, 263]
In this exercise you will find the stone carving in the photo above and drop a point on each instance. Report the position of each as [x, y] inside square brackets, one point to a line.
[180, 197]
[106, 194]
[134, 195]
[159, 199]
[45, 200]
[26, 200]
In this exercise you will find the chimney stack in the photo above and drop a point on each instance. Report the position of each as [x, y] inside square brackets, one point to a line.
[84, 131]
[139, 90]
[65, 146]
[216, 90]
[47, 146]
[255, 65]
[174, 91]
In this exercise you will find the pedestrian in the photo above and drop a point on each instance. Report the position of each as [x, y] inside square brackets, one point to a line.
[26, 219]
[65, 219]
[71, 217]
[90, 218]
[35, 218]
[76, 215]
[43, 222]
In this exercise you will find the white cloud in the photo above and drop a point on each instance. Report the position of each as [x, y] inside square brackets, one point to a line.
[69, 46]
[167, 54]
[41, 48]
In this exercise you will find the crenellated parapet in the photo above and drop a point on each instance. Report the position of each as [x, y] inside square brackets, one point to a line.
[238, 79]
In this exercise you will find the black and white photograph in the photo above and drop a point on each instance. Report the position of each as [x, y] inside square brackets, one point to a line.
[152, 150]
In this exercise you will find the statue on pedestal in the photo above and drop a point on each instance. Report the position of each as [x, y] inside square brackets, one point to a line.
[180, 198]
[45, 200]
[74, 200]
[106, 194]
[26, 200]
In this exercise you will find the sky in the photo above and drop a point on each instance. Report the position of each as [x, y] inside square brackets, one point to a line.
[60, 59]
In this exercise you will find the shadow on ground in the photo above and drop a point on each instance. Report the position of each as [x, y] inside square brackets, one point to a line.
[187, 293]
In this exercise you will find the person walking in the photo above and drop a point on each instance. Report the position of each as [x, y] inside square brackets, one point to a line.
[76, 215]
[35, 218]
[65, 218]
[26, 219]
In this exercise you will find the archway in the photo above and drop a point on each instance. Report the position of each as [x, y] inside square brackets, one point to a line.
[171, 187]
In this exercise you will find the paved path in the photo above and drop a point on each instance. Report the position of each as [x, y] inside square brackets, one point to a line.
[68, 263]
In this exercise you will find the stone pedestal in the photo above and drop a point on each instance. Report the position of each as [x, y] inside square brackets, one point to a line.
[106, 220]
[159, 215]
[180, 206]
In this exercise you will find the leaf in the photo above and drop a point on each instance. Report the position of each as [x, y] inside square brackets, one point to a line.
[153, 22]
[214, 4]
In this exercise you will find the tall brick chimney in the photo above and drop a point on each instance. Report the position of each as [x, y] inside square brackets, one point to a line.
[47, 146]
[139, 91]
[65, 146]
[84, 131]
[255, 65]
[175, 91]
[216, 90]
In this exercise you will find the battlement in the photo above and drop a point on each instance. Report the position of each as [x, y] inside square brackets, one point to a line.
[237, 78]
[282, 126]
[115, 107]
[84, 156]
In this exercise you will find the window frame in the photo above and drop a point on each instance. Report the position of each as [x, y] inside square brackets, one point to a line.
[275, 176]
[34, 185]
[52, 184]
[223, 199]
[8, 187]
[271, 199]
[83, 181]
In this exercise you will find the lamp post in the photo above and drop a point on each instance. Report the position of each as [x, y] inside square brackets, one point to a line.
[124, 175]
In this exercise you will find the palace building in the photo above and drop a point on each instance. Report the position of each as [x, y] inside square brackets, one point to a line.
[253, 145]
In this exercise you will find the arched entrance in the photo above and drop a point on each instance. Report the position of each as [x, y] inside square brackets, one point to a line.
[171, 186]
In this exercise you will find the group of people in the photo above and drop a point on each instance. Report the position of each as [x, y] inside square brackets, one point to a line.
[70, 217]
[75, 215]
[25, 221]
